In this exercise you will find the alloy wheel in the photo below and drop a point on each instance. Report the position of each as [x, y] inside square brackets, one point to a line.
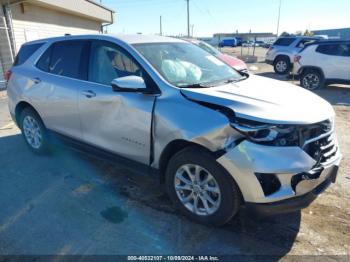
[32, 132]
[281, 66]
[311, 81]
[197, 189]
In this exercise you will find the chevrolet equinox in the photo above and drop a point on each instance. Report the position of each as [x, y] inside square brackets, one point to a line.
[217, 138]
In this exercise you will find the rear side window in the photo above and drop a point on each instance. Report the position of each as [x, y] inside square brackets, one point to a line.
[334, 49]
[44, 61]
[25, 52]
[286, 41]
[302, 43]
[67, 58]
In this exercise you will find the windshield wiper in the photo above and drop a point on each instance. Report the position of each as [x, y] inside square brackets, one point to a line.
[196, 85]
[234, 80]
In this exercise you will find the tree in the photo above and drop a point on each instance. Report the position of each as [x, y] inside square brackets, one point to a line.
[308, 33]
[285, 34]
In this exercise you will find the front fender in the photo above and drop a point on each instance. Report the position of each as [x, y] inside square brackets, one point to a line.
[177, 118]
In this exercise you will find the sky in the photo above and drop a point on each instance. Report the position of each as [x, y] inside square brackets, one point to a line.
[226, 16]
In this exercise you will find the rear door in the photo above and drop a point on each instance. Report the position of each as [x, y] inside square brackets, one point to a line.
[62, 70]
[119, 122]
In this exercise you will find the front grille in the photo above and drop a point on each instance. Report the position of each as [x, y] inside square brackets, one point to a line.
[319, 141]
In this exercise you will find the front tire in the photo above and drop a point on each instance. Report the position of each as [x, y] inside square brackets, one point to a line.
[311, 79]
[282, 65]
[34, 131]
[201, 188]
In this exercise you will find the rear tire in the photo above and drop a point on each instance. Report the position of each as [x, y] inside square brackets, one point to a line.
[213, 186]
[34, 132]
[282, 65]
[312, 79]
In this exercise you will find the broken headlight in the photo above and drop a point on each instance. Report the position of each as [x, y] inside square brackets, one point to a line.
[267, 134]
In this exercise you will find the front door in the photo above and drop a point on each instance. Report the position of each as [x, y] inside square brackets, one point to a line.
[115, 121]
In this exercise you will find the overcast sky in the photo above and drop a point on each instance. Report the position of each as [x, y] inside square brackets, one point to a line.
[213, 16]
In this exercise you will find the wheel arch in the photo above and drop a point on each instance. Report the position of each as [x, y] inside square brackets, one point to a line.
[316, 68]
[19, 109]
[173, 148]
[282, 55]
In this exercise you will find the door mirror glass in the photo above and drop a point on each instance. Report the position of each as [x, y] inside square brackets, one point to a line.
[129, 84]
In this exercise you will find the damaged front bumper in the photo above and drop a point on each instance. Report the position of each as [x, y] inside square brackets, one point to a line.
[278, 179]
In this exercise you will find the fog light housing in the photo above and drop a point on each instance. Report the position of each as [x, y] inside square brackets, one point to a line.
[269, 183]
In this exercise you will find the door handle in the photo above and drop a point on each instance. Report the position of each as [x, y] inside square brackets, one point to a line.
[36, 80]
[89, 93]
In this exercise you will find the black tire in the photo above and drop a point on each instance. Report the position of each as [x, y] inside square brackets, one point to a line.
[282, 65]
[312, 79]
[230, 194]
[43, 147]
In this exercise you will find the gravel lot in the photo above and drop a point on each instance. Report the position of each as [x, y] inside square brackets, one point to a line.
[68, 203]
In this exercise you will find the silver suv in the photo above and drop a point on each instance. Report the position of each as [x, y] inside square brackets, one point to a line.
[216, 138]
[282, 52]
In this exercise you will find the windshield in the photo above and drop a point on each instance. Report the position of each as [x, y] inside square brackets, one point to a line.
[186, 65]
[209, 48]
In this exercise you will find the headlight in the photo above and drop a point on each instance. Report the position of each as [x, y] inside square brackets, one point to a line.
[268, 134]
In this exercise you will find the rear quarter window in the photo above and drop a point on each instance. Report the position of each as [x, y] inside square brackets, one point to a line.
[286, 41]
[25, 52]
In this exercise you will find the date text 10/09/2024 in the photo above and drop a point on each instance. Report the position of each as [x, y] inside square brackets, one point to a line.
[173, 258]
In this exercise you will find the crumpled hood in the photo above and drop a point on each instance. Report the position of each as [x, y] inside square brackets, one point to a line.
[266, 100]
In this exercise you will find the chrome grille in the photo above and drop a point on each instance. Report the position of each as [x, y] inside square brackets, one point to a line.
[320, 143]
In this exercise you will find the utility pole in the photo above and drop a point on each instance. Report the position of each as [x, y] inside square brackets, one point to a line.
[188, 18]
[279, 16]
[160, 26]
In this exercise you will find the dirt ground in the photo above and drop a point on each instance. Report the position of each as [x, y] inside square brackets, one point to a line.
[72, 204]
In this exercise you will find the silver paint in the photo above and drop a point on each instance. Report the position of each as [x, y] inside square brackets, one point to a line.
[121, 122]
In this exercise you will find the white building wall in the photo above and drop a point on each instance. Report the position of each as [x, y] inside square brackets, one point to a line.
[35, 22]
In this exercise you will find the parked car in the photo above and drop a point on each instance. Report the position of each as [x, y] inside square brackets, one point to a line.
[239, 41]
[230, 60]
[322, 63]
[266, 45]
[258, 43]
[232, 42]
[247, 44]
[216, 138]
[282, 52]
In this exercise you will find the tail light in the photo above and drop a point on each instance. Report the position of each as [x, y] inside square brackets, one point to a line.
[297, 58]
[7, 75]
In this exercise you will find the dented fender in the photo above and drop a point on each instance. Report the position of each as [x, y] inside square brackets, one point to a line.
[178, 118]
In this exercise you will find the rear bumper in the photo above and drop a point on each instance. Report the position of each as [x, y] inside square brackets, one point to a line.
[292, 204]
[296, 69]
[270, 62]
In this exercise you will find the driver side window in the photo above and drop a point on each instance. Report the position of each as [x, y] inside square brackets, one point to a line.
[108, 61]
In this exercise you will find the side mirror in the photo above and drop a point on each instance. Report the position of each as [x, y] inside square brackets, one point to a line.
[129, 84]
